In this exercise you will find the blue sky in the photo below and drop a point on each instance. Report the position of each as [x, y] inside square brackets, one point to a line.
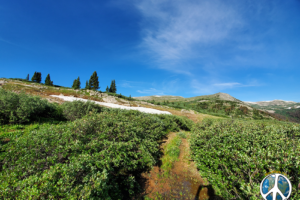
[248, 49]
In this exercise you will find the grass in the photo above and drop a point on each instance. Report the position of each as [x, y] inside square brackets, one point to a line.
[182, 135]
[171, 154]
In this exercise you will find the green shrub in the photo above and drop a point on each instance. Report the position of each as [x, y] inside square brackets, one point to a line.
[21, 108]
[235, 156]
[77, 109]
[96, 157]
[179, 122]
[181, 135]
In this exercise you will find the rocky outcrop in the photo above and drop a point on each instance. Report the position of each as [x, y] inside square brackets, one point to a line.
[109, 99]
[2, 82]
[187, 111]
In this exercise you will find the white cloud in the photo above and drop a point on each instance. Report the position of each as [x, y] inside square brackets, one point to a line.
[131, 84]
[175, 29]
[151, 91]
[209, 88]
[230, 85]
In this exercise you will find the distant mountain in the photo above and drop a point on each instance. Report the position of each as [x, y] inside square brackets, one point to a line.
[273, 103]
[160, 98]
[217, 96]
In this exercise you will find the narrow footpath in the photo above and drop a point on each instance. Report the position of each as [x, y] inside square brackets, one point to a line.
[183, 181]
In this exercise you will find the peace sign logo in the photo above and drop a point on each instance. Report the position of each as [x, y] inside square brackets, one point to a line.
[275, 187]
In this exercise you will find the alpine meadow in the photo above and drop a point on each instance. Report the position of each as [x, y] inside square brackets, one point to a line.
[150, 100]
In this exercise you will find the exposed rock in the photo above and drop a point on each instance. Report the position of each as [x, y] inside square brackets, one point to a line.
[187, 111]
[110, 99]
[124, 101]
[2, 82]
[104, 95]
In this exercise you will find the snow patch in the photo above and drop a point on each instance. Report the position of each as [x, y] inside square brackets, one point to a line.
[111, 105]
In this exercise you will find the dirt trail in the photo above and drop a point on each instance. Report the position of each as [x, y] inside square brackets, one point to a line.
[184, 181]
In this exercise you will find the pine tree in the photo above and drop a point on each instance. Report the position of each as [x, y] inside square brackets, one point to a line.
[74, 84]
[33, 78]
[38, 77]
[94, 82]
[27, 78]
[113, 88]
[78, 83]
[48, 80]
[88, 85]
[107, 89]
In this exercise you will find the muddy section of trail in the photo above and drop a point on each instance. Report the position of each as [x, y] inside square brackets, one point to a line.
[183, 181]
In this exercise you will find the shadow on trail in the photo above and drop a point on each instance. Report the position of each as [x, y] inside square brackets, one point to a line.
[210, 192]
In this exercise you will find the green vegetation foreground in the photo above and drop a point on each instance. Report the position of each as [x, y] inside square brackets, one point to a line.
[96, 157]
[235, 156]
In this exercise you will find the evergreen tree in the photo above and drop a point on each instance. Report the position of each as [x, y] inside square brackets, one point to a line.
[94, 82]
[113, 88]
[33, 78]
[88, 85]
[38, 77]
[107, 89]
[74, 84]
[78, 83]
[48, 80]
[27, 78]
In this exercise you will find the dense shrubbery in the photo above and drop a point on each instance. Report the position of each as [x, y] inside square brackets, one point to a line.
[77, 109]
[96, 157]
[21, 108]
[234, 156]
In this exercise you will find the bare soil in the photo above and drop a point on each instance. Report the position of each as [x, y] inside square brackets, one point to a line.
[184, 181]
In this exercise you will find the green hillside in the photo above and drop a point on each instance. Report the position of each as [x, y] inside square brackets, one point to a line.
[80, 150]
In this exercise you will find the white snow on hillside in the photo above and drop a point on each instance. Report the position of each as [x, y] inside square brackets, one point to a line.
[141, 109]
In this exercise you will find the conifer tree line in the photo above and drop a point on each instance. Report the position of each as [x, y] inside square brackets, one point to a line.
[91, 84]
[37, 77]
[76, 83]
[113, 87]
[48, 80]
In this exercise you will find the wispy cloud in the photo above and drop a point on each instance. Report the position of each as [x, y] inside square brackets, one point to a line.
[13, 44]
[175, 30]
[209, 88]
[167, 87]
[151, 91]
[131, 84]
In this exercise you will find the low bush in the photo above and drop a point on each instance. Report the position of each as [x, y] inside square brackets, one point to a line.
[77, 109]
[181, 135]
[96, 157]
[235, 156]
[21, 108]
